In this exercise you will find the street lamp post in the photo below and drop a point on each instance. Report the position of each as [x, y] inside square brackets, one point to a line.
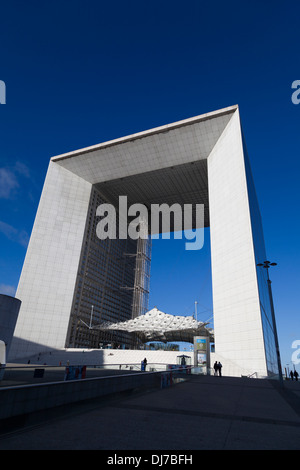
[266, 265]
[91, 317]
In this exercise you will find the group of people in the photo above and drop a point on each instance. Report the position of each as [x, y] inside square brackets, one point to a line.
[294, 374]
[218, 368]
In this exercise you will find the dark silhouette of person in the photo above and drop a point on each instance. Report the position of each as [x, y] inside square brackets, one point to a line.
[296, 375]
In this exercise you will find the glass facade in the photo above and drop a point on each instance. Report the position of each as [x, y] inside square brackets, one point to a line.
[112, 285]
[260, 257]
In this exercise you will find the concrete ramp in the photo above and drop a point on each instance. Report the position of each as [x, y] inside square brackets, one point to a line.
[204, 413]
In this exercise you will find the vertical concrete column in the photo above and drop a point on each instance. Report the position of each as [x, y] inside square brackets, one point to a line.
[237, 315]
[9, 311]
[48, 278]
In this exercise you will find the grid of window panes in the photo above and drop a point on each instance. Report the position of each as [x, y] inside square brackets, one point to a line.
[106, 286]
[260, 257]
[142, 278]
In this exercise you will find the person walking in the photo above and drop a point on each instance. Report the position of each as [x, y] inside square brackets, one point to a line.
[216, 368]
[296, 375]
[292, 375]
[220, 368]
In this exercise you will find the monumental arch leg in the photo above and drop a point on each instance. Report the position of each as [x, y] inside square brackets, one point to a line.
[47, 282]
[237, 313]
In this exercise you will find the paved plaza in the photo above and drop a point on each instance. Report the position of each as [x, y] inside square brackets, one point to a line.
[203, 413]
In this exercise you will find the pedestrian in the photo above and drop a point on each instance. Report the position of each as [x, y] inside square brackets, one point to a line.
[292, 375]
[220, 368]
[216, 368]
[145, 363]
[296, 375]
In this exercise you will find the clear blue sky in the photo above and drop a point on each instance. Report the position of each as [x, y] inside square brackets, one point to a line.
[79, 73]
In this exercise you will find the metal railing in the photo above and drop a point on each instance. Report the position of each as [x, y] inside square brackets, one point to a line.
[250, 376]
[34, 374]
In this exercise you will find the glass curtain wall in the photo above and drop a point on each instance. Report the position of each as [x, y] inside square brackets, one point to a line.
[112, 285]
[260, 257]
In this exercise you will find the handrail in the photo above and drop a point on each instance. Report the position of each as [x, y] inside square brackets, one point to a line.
[172, 372]
[75, 364]
[251, 375]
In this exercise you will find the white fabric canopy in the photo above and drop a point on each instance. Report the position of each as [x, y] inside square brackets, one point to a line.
[159, 326]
